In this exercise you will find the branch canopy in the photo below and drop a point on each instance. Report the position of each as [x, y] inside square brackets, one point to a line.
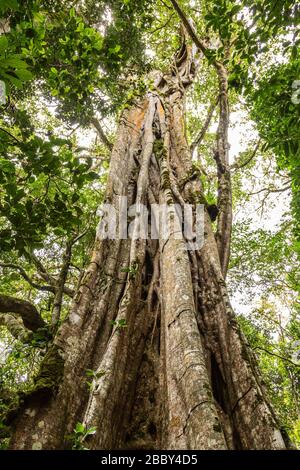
[28, 312]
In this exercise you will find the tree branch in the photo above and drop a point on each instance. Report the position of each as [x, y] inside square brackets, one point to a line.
[162, 26]
[8, 133]
[27, 311]
[277, 355]
[239, 166]
[165, 4]
[270, 190]
[60, 285]
[192, 33]
[41, 269]
[16, 327]
[224, 226]
[58, 298]
[27, 278]
[205, 126]
[101, 133]
[42, 272]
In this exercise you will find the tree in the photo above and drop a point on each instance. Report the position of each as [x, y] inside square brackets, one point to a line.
[151, 323]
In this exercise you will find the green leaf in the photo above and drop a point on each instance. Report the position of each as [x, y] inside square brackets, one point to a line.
[8, 5]
[114, 50]
[235, 10]
[24, 74]
[91, 431]
[75, 197]
[80, 428]
[92, 175]
[3, 43]
[16, 62]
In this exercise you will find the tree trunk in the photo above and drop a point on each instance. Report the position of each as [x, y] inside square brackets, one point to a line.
[180, 374]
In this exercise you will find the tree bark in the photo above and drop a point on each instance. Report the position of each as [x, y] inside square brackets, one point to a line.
[223, 235]
[16, 327]
[180, 374]
[27, 311]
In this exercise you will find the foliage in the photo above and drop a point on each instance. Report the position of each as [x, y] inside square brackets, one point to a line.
[80, 435]
[131, 270]
[272, 259]
[94, 375]
[13, 68]
[119, 324]
[276, 109]
[52, 177]
[75, 61]
[275, 347]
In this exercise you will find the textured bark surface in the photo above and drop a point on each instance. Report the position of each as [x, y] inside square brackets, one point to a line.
[26, 310]
[180, 375]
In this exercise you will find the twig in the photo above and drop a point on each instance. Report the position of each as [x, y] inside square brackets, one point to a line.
[237, 166]
[205, 126]
[277, 355]
[8, 133]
